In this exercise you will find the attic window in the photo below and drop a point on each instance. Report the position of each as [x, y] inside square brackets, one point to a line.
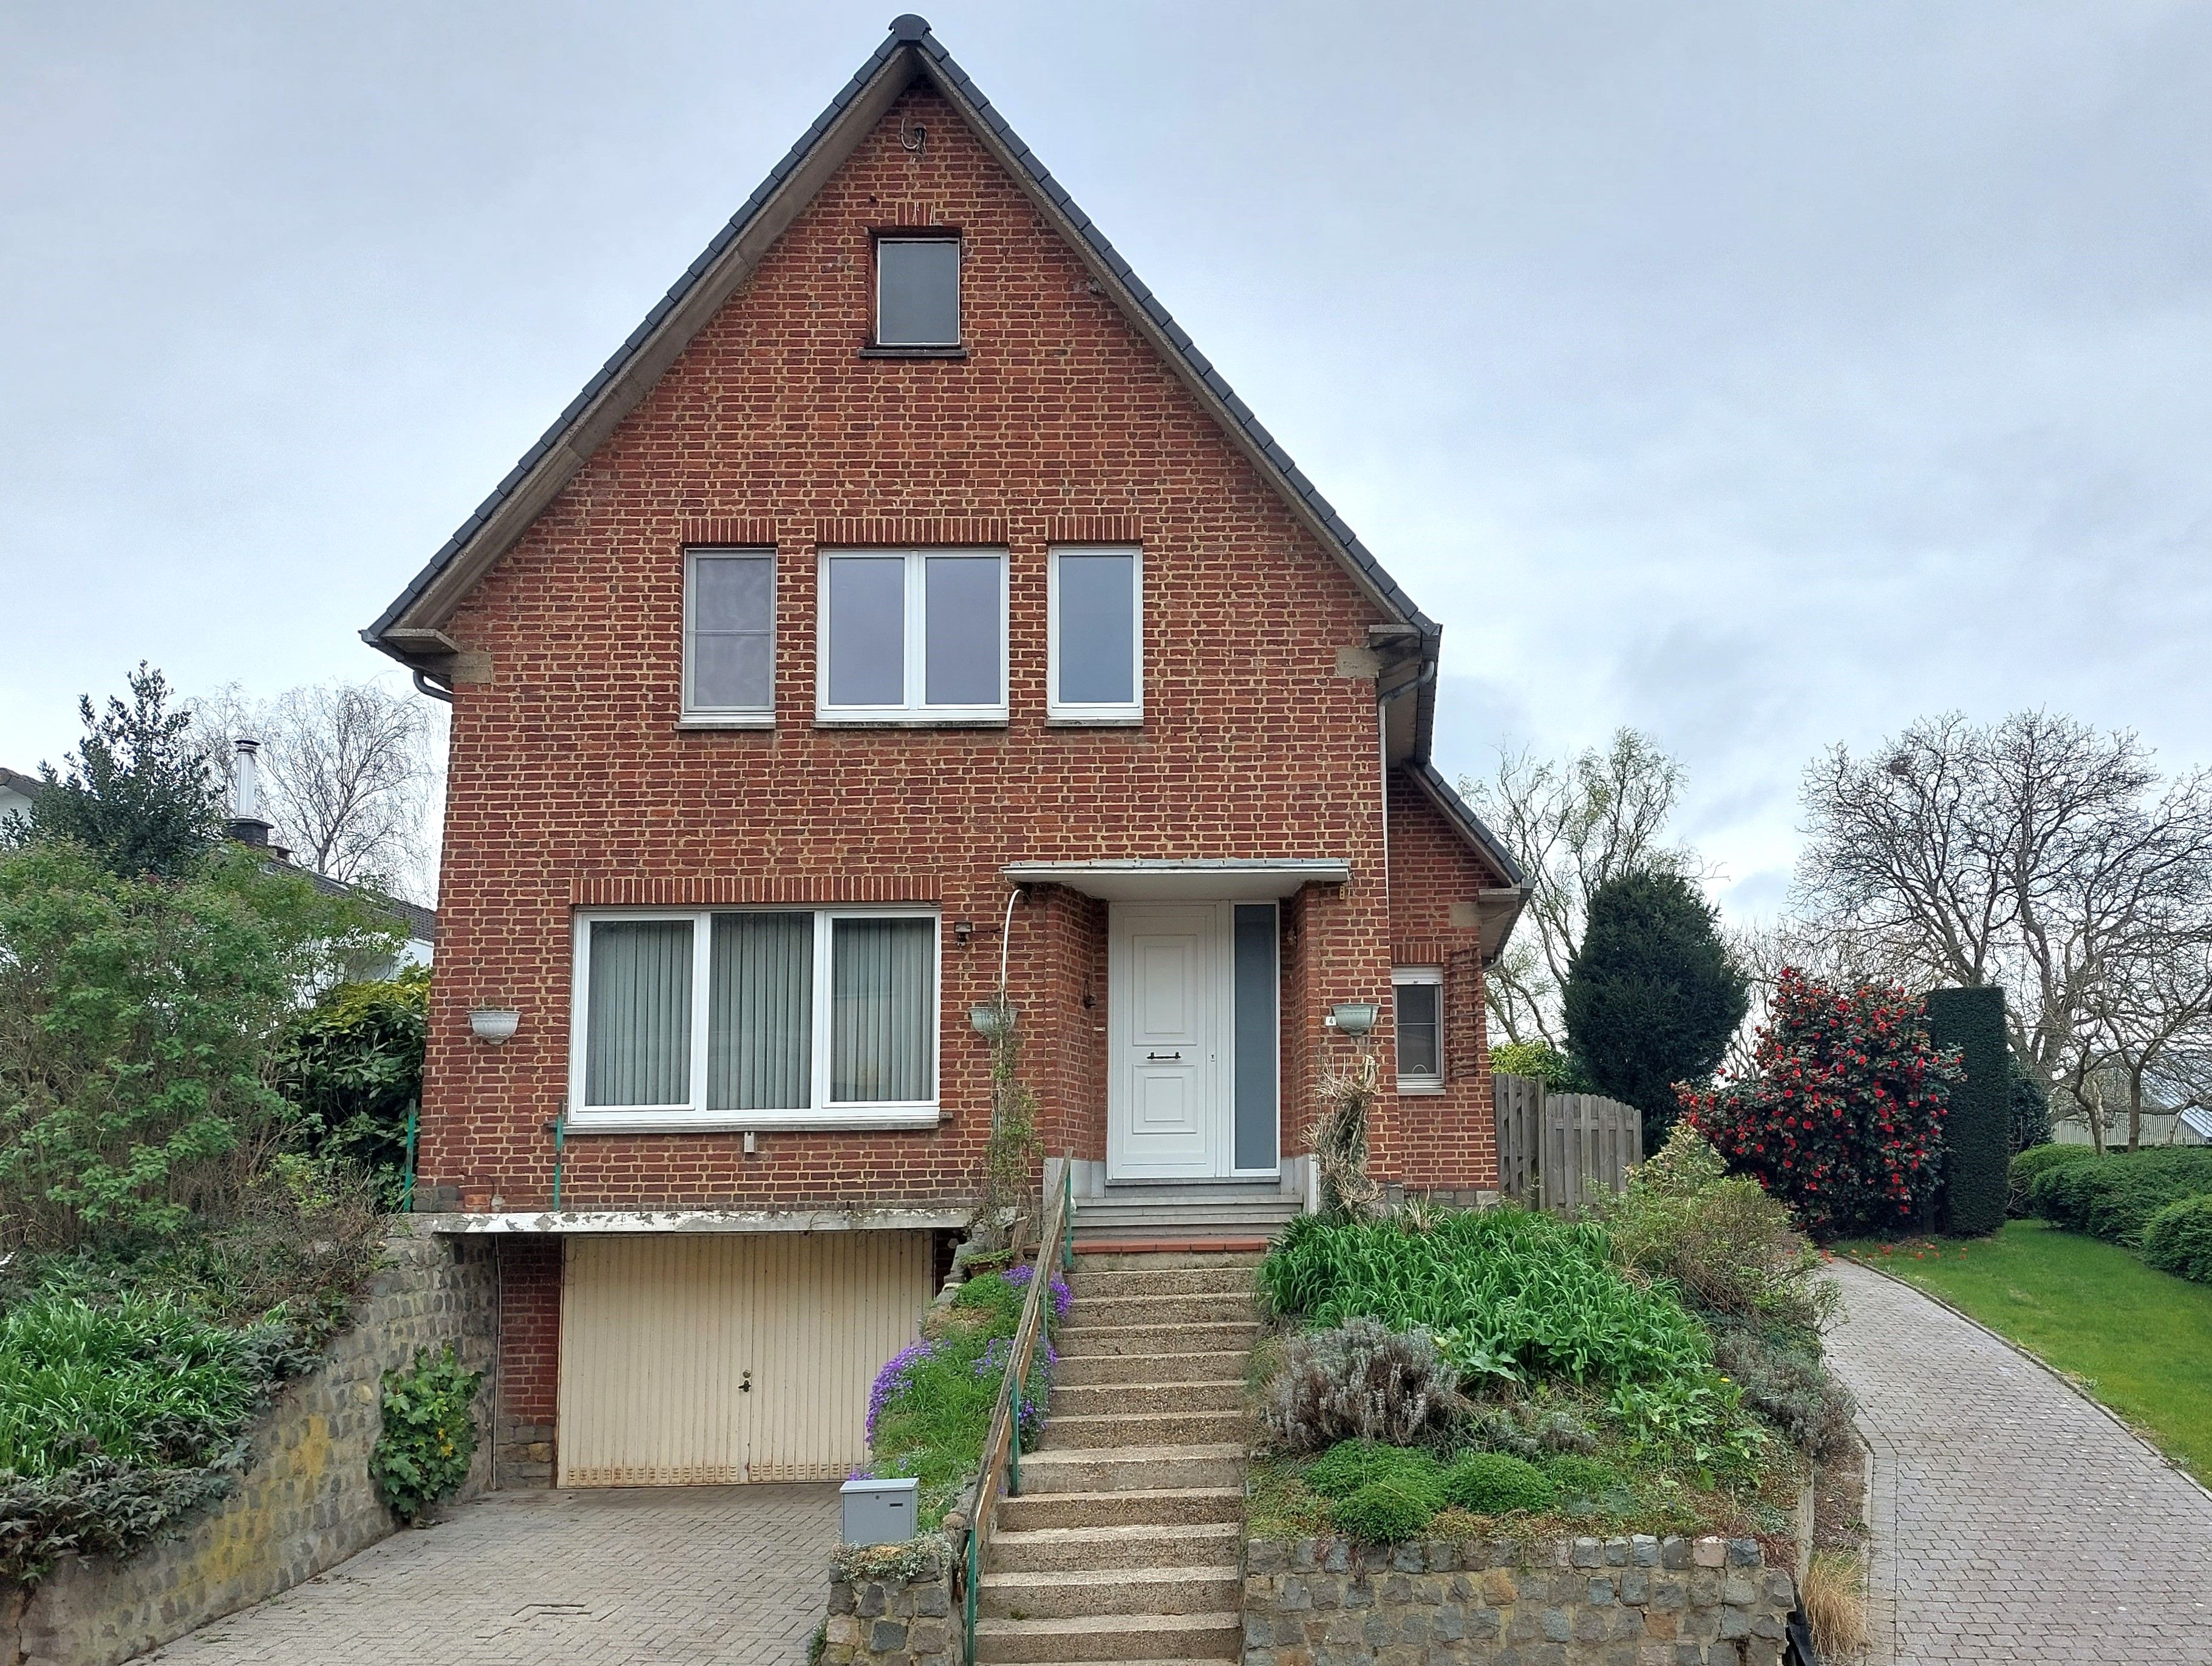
[918, 292]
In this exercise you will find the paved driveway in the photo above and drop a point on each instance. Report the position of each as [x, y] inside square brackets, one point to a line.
[733, 1575]
[2014, 1521]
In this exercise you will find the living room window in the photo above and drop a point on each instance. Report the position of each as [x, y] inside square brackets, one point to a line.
[913, 636]
[755, 1018]
[918, 292]
[1419, 992]
[1096, 630]
[729, 636]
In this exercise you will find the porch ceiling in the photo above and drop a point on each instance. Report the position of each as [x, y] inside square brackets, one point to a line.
[1224, 880]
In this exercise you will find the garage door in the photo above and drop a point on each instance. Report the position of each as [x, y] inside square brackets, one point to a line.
[688, 1359]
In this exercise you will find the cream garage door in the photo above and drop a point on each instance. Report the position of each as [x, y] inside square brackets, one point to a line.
[690, 1358]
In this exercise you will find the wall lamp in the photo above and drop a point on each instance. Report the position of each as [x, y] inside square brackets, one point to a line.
[1352, 1018]
[494, 1024]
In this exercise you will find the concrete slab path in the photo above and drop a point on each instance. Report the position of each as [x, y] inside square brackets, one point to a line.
[705, 1576]
[2013, 1520]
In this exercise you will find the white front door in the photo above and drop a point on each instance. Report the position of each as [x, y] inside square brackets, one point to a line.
[1167, 1009]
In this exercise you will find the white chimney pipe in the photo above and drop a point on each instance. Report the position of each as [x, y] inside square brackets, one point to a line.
[245, 796]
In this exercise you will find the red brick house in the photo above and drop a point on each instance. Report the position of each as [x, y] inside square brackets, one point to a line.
[908, 596]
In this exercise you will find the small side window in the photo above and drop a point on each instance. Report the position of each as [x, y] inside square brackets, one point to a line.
[918, 292]
[1096, 629]
[1420, 1028]
[729, 636]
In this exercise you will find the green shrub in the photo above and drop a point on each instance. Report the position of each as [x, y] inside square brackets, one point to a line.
[1384, 1512]
[2178, 1240]
[1789, 1388]
[1504, 1291]
[1530, 1431]
[1358, 1380]
[1653, 993]
[429, 1433]
[1352, 1464]
[1497, 1484]
[1978, 1131]
[1574, 1476]
[1727, 1244]
[352, 1069]
[2114, 1197]
[1540, 1062]
[2035, 1160]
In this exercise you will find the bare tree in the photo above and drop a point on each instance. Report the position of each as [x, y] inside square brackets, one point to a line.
[350, 778]
[2039, 855]
[1573, 824]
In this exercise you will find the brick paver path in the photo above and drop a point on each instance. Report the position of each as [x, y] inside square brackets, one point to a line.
[2013, 1520]
[735, 1576]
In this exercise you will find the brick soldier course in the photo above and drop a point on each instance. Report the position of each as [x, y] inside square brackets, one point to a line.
[2013, 1520]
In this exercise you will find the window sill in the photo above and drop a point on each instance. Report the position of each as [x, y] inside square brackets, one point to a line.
[1077, 720]
[760, 1121]
[763, 720]
[1419, 1090]
[905, 720]
[874, 352]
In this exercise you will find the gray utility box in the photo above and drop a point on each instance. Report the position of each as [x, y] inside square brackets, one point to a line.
[879, 1513]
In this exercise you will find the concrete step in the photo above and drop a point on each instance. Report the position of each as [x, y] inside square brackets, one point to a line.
[1078, 1340]
[1206, 1309]
[1132, 1639]
[1088, 1281]
[1087, 1369]
[1133, 1468]
[1154, 1507]
[1148, 1591]
[1105, 1399]
[1151, 1261]
[1096, 1548]
[1163, 1221]
[1064, 1434]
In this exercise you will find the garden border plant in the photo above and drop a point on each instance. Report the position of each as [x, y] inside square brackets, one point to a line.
[428, 1439]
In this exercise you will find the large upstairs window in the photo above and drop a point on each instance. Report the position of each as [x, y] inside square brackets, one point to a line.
[913, 636]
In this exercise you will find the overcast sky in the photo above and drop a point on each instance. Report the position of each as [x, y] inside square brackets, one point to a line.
[1759, 375]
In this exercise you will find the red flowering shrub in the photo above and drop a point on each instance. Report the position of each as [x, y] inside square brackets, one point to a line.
[1842, 1115]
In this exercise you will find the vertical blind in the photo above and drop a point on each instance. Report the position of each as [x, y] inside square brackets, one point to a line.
[880, 1009]
[759, 1012]
[639, 1025]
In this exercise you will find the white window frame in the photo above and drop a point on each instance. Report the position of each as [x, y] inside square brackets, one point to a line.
[914, 710]
[695, 1116]
[1071, 711]
[728, 717]
[959, 275]
[1418, 976]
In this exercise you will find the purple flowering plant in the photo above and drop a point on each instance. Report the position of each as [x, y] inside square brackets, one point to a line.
[1019, 1277]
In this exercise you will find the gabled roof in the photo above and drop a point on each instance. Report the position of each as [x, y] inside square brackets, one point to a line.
[411, 628]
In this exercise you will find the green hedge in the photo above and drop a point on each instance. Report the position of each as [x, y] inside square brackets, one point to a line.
[2178, 1240]
[2114, 1197]
[2041, 1159]
[1977, 1129]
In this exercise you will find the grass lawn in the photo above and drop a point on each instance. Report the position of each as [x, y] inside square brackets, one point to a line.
[2139, 1339]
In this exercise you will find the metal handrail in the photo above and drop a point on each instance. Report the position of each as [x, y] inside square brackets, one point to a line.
[1000, 1474]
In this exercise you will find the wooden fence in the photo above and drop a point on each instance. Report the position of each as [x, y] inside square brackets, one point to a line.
[1554, 1149]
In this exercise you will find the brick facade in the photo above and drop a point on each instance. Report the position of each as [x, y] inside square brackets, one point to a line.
[574, 784]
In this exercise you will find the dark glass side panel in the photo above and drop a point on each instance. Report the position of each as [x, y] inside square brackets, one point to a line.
[1258, 1056]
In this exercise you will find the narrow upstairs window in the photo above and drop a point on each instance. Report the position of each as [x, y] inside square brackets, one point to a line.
[917, 292]
[1420, 1027]
[1096, 629]
[729, 636]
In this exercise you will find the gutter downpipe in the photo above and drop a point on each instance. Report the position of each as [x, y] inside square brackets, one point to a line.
[424, 685]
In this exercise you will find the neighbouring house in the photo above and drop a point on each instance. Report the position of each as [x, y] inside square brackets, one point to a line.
[417, 926]
[908, 598]
[16, 792]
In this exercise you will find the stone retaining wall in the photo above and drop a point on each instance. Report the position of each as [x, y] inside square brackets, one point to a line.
[1627, 1602]
[304, 1503]
[880, 1622]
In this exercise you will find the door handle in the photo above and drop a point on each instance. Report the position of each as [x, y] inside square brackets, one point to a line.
[745, 1383]
[1155, 1058]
